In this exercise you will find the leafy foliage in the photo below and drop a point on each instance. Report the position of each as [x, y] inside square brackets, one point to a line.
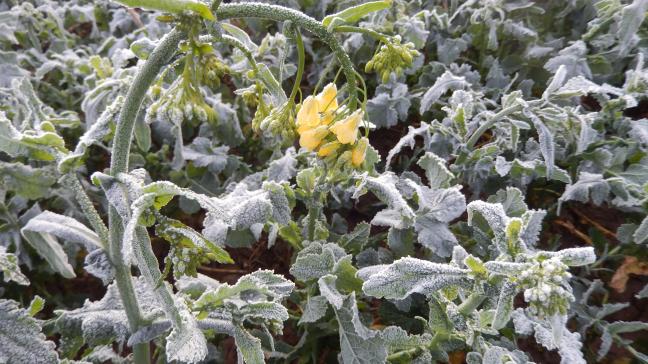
[396, 181]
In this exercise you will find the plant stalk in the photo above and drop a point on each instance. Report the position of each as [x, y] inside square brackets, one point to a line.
[119, 164]
[280, 14]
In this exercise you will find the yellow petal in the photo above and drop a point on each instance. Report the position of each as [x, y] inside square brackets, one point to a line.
[308, 116]
[327, 99]
[359, 152]
[328, 149]
[311, 139]
[347, 130]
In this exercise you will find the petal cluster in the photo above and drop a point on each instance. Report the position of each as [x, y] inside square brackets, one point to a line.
[319, 131]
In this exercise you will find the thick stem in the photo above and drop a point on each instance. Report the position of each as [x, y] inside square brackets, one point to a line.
[471, 303]
[280, 13]
[119, 164]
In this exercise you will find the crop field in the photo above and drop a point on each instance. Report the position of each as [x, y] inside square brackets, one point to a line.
[334, 181]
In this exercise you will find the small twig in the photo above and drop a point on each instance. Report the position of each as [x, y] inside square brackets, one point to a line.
[569, 226]
[598, 226]
[222, 270]
[136, 18]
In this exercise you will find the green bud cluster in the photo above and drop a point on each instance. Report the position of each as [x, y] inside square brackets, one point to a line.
[546, 287]
[393, 57]
[279, 121]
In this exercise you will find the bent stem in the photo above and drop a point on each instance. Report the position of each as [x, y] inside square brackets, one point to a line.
[119, 164]
[280, 14]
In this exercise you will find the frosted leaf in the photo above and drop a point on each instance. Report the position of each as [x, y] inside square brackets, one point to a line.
[398, 339]
[242, 208]
[574, 257]
[569, 344]
[203, 154]
[408, 141]
[632, 16]
[436, 171]
[557, 81]
[262, 282]
[316, 260]
[34, 144]
[410, 275]
[186, 342]
[97, 131]
[65, 228]
[443, 205]
[10, 269]
[358, 343]
[506, 268]
[447, 81]
[98, 264]
[435, 236]
[504, 305]
[399, 214]
[176, 232]
[26, 181]
[589, 186]
[51, 250]
[284, 168]
[531, 226]
[547, 146]
[105, 321]
[21, 339]
[641, 234]
[248, 347]
[314, 309]
[512, 199]
[279, 200]
[488, 215]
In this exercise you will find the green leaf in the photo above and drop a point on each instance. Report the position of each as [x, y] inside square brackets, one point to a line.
[176, 232]
[65, 228]
[355, 13]
[49, 248]
[21, 339]
[29, 182]
[410, 275]
[10, 269]
[172, 6]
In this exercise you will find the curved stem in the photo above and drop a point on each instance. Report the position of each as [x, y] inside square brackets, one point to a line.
[300, 65]
[119, 164]
[280, 13]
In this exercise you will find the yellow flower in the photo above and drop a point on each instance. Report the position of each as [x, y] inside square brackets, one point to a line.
[347, 130]
[312, 138]
[327, 103]
[308, 117]
[328, 149]
[359, 152]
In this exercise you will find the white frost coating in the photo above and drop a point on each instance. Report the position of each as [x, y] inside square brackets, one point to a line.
[384, 187]
[436, 171]
[316, 260]
[495, 217]
[49, 248]
[65, 228]
[314, 310]
[506, 268]
[21, 340]
[531, 226]
[186, 342]
[248, 347]
[447, 81]
[407, 141]
[568, 345]
[284, 168]
[574, 257]
[410, 275]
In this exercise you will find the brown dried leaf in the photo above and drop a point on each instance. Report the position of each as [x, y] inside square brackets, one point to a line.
[631, 265]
